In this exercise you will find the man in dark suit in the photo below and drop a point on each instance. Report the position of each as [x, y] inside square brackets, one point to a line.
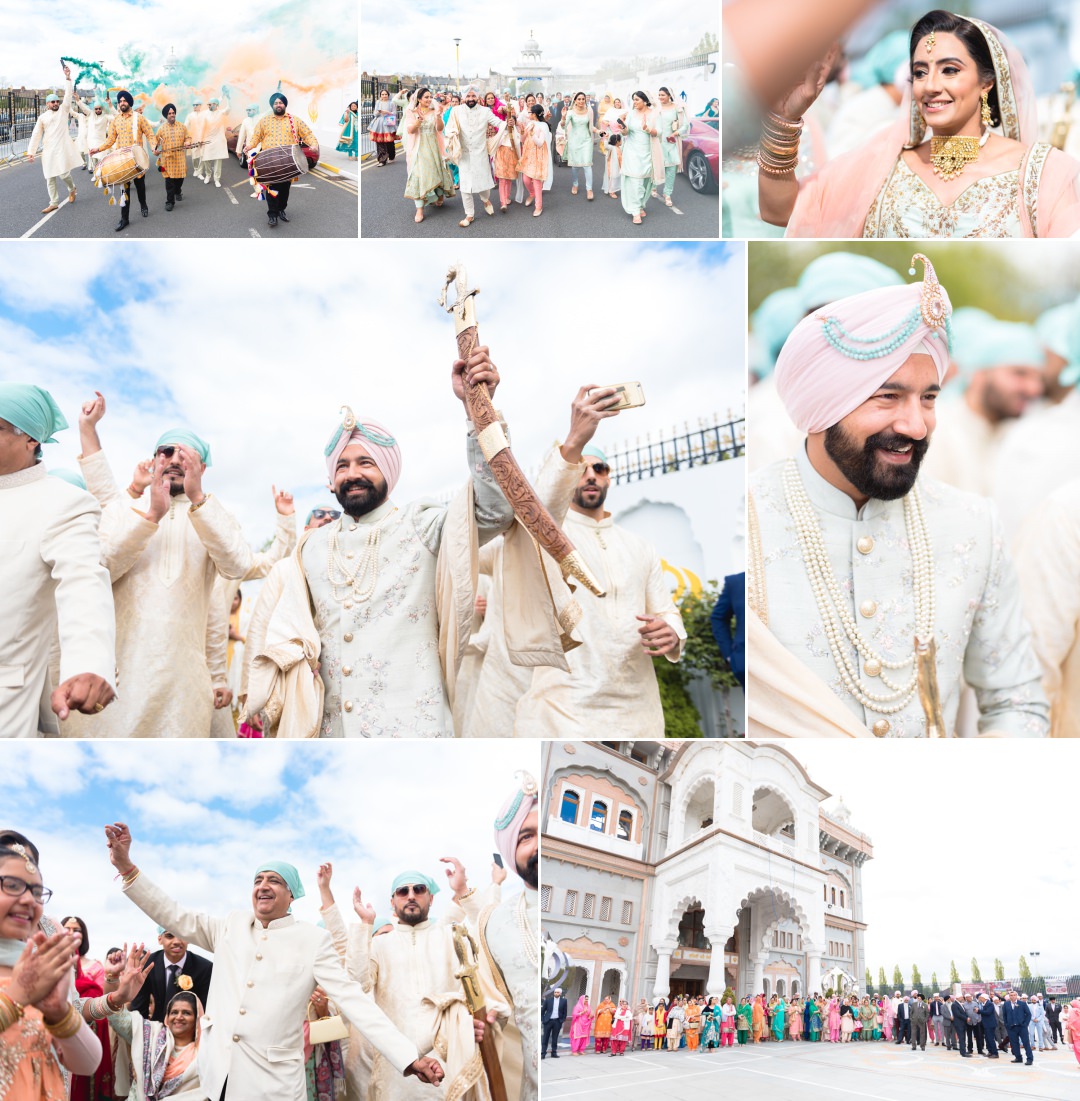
[1017, 1017]
[947, 1022]
[175, 969]
[965, 1014]
[903, 1021]
[552, 1015]
[1053, 1018]
[920, 1014]
[989, 1023]
[732, 641]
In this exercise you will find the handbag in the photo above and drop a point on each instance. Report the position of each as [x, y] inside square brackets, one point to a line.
[324, 1030]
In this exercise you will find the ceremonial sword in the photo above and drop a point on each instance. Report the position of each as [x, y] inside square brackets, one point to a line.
[527, 506]
[474, 998]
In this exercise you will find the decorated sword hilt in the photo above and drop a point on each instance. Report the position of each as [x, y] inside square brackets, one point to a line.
[465, 948]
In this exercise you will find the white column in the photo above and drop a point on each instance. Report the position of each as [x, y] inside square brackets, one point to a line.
[813, 972]
[662, 986]
[715, 985]
[759, 975]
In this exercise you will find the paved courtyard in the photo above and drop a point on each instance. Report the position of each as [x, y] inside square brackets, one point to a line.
[808, 1072]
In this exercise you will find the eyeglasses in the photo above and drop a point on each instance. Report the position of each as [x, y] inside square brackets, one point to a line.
[168, 452]
[323, 513]
[16, 888]
[418, 889]
[600, 468]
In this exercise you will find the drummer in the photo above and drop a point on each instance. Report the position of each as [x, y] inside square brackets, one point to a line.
[271, 132]
[171, 141]
[127, 130]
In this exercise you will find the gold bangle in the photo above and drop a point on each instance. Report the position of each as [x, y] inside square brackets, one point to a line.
[67, 1026]
[195, 508]
[130, 878]
[468, 894]
[16, 1007]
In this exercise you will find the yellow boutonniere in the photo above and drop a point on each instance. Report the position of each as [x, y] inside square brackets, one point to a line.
[184, 982]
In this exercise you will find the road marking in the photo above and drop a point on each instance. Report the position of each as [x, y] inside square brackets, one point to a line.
[232, 197]
[252, 232]
[310, 187]
[676, 210]
[832, 1088]
[34, 228]
[549, 1086]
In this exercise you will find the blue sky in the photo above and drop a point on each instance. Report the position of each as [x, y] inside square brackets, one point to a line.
[204, 814]
[259, 360]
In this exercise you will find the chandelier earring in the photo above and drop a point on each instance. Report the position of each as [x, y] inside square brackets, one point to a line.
[987, 115]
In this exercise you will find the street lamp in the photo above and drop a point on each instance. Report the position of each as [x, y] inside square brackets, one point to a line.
[457, 62]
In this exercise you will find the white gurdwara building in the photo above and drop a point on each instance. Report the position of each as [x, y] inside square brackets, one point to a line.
[685, 868]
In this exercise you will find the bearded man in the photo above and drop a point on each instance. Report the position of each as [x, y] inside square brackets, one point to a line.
[878, 594]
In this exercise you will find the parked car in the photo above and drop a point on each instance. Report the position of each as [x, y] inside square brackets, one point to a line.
[701, 154]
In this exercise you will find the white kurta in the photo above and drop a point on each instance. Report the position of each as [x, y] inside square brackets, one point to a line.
[410, 972]
[163, 575]
[504, 943]
[222, 674]
[979, 627]
[53, 581]
[611, 686]
[214, 133]
[83, 112]
[474, 166]
[243, 134]
[97, 129]
[59, 153]
[380, 656]
[963, 450]
[263, 978]
[1048, 563]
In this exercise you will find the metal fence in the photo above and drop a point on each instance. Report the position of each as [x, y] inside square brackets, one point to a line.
[708, 444]
[370, 87]
[18, 114]
[1035, 985]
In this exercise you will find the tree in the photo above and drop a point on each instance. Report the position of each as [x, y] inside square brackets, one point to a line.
[869, 979]
[1025, 971]
[933, 980]
[976, 976]
[916, 978]
[954, 975]
[999, 970]
[897, 978]
[680, 715]
[708, 44]
[700, 653]
[881, 978]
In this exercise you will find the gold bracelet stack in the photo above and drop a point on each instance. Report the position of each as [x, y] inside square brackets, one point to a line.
[10, 1011]
[778, 151]
[67, 1026]
[127, 880]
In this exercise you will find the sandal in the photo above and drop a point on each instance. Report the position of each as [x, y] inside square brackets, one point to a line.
[667, 200]
[528, 201]
[419, 217]
[439, 201]
[589, 196]
[637, 219]
[653, 194]
[465, 223]
[573, 190]
[538, 211]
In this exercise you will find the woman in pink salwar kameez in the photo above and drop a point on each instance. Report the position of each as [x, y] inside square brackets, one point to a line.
[580, 1026]
[834, 1021]
[888, 1014]
[1072, 1020]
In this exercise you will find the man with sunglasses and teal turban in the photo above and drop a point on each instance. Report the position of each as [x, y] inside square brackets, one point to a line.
[266, 964]
[54, 584]
[163, 553]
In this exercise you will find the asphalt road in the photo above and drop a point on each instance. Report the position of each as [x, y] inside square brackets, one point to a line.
[385, 213]
[808, 1072]
[322, 204]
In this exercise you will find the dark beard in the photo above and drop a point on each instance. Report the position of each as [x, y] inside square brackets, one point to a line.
[176, 489]
[861, 468]
[531, 872]
[412, 919]
[473, 104]
[357, 507]
[579, 499]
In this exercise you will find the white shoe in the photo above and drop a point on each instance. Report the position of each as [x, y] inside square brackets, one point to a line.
[217, 183]
[206, 179]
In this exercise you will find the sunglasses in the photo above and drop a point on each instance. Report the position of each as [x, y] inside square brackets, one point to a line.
[15, 887]
[322, 513]
[600, 468]
[168, 452]
[418, 889]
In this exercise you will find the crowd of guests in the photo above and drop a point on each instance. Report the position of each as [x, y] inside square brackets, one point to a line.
[984, 1023]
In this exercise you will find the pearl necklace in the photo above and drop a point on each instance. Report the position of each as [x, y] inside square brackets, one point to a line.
[837, 620]
[528, 934]
[345, 583]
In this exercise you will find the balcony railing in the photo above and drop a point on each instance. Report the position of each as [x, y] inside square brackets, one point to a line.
[706, 444]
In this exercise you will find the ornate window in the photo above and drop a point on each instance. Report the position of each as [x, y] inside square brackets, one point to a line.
[605, 909]
[627, 913]
[570, 905]
[545, 898]
[626, 825]
[571, 801]
[590, 906]
[598, 818]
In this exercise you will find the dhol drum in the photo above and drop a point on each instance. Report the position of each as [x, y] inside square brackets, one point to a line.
[123, 165]
[283, 163]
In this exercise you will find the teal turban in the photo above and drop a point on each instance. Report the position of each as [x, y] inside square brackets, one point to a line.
[771, 324]
[216, 101]
[1059, 329]
[160, 929]
[839, 275]
[52, 97]
[981, 341]
[880, 63]
[287, 872]
[594, 452]
[379, 924]
[32, 410]
[72, 477]
[187, 439]
[408, 878]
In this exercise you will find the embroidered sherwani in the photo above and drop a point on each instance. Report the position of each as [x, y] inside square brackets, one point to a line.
[511, 954]
[379, 659]
[162, 575]
[474, 166]
[410, 973]
[611, 684]
[978, 623]
[253, 1034]
[53, 580]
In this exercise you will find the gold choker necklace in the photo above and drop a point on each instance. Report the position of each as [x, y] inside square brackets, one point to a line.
[950, 156]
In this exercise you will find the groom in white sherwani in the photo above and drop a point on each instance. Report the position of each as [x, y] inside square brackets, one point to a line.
[471, 124]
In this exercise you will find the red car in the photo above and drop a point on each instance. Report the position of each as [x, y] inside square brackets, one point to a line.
[701, 154]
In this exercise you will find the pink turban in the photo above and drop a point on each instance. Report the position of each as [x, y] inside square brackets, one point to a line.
[376, 441]
[839, 355]
[513, 814]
